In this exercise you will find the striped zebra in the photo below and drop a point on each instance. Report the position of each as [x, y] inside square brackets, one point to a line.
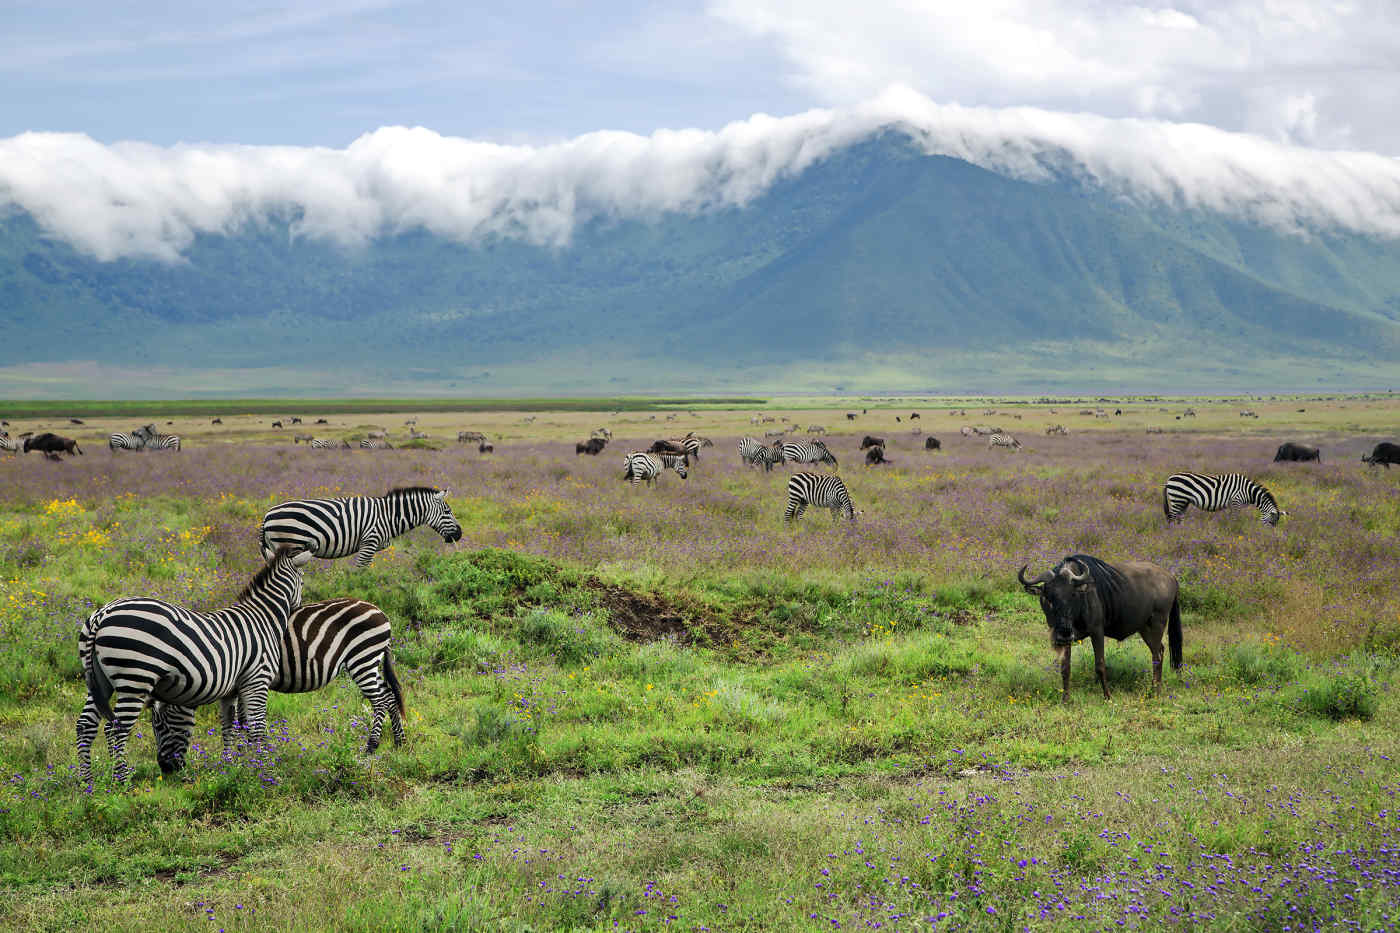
[359, 525]
[154, 440]
[9, 444]
[126, 442]
[320, 640]
[809, 452]
[375, 443]
[318, 443]
[822, 490]
[1003, 440]
[140, 648]
[1214, 493]
[641, 466]
[752, 451]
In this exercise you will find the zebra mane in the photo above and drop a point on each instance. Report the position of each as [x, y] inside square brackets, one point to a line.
[1108, 581]
[403, 492]
[260, 578]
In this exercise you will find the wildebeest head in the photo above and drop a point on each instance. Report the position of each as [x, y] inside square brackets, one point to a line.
[1065, 592]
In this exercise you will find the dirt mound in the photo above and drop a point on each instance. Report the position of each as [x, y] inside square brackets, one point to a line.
[645, 616]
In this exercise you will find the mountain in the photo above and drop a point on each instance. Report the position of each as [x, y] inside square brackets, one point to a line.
[879, 268]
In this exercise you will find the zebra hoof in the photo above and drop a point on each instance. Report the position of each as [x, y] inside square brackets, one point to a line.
[169, 766]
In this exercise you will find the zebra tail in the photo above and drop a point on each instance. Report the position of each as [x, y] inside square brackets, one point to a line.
[392, 680]
[1174, 635]
[1166, 506]
[99, 687]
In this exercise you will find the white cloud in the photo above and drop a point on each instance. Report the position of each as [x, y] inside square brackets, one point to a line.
[135, 199]
[1230, 63]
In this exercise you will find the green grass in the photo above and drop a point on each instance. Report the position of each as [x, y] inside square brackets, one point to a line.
[89, 408]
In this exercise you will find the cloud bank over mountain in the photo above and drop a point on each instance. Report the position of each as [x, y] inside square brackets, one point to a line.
[136, 200]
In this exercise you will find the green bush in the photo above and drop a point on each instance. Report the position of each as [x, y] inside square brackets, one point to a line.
[1342, 695]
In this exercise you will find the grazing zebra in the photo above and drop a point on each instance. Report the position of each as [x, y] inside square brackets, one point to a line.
[810, 452]
[1003, 440]
[320, 640]
[359, 525]
[138, 649]
[375, 444]
[821, 490]
[318, 443]
[641, 466]
[1213, 493]
[752, 451]
[298, 438]
[126, 442]
[474, 436]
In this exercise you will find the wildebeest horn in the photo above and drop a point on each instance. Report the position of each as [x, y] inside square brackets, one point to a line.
[1041, 580]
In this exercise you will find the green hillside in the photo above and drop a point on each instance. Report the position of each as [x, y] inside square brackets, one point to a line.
[877, 269]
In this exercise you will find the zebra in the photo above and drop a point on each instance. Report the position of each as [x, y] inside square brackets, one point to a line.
[1213, 493]
[320, 640]
[298, 438]
[375, 444]
[126, 442]
[809, 452]
[359, 525]
[752, 451]
[9, 444]
[639, 466]
[474, 436]
[322, 444]
[823, 490]
[140, 648]
[1003, 440]
[154, 440]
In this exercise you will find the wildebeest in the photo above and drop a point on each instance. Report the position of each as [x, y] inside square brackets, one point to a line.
[75, 420]
[1084, 597]
[593, 446]
[932, 443]
[850, 416]
[296, 421]
[872, 442]
[876, 455]
[1384, 455]
[322, 421]
[51, 445]
[217, 421]
[913, 415]
[666, 447]
[484, 448]
[1297, 452]
[277, 424]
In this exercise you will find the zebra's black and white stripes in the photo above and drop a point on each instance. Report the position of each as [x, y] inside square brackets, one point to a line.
[642, 466]
[126, 442]
[359, 525]
[1213, 493]
[808, 452]
[138, 649]
[1003, 440]
[752, 451]
[320, 640]
[821, 490]
[154, 440]
[318, 443]
[375, 443]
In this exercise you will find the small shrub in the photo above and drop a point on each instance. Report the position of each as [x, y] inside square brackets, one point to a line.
[1343, 695]
[1252, 663]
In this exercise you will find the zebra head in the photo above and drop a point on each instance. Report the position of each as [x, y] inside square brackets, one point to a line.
[441, 519]
[827, 456]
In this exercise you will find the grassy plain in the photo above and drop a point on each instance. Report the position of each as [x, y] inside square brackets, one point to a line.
[661, 708]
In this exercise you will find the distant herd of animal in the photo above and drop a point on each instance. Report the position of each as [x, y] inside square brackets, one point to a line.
[142, 651]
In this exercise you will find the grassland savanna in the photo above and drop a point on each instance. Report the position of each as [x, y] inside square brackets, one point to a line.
[663, 708]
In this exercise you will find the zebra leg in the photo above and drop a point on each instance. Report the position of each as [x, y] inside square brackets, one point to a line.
[370, 545]
[376, 692]
[126, 710]
[252, 702]
[88, 721]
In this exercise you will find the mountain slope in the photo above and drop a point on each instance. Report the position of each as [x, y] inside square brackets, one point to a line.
[860, 270]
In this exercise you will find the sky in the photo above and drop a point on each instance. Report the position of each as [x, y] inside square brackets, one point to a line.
[128, 129]
[323, 72]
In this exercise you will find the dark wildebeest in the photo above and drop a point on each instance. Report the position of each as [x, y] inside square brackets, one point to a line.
[322, 421]
[872, 442]
[931, 443]
[1384, 455]
[876, 455]
[913, 415]
[484, 448]
[593, 446]
[277, 424]
[296, 421]
[1085, 597]
[666, 447]
[51, 445]
[217, 421]
[75, 420]
[1297, 452]
[850, 416]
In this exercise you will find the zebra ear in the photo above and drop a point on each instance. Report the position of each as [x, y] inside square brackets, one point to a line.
[301, 558]
[443, 493]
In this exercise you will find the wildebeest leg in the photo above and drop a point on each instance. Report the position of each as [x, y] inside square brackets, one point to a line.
[1064, 672]
[1099, 665]
[1153, 637]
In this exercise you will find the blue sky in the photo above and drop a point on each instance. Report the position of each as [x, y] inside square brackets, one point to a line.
[318, 72]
